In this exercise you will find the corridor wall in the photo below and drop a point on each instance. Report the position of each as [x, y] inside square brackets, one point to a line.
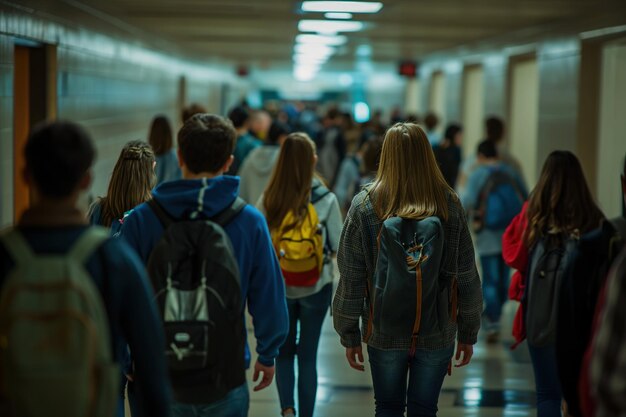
[110, 86]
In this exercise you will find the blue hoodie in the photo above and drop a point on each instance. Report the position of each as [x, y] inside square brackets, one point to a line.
[262, 284]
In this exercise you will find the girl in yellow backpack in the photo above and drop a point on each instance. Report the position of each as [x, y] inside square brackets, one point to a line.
[305, 221]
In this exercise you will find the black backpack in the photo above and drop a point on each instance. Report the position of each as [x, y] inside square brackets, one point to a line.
[578, 298]
[196, 280]
[408, 295]
[550, 266]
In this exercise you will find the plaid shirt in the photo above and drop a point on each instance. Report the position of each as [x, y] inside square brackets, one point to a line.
[608, 361]
[357, 261]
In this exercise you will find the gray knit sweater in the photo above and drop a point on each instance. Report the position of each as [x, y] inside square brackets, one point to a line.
[357, 260]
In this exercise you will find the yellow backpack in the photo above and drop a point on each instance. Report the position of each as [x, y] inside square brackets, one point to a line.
[300, 250]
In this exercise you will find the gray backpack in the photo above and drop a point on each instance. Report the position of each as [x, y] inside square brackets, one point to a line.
[550, 267]
[55, 350]
[409, 297]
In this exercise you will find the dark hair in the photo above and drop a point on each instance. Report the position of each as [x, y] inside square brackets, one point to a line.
[333, 113]
[160, 137]
[451, 131]
[487, 148]
[371, 154]
[193, 108]
[239, 116]
[412, 118]
[206, 141]
[431, 121]
[58, 155]
[494, 127]
[561, 202]
[277, 129]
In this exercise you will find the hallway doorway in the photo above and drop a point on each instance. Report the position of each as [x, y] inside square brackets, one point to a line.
[437, 99]
[473, 109]
[34, 100]
[612, 125]
[523, 116]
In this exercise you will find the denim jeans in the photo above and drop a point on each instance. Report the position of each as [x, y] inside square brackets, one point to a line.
[309, 312]
[495, 287]
[547, 382]
[120, 404]
[133, 401]
[425, 371]
[235, 404]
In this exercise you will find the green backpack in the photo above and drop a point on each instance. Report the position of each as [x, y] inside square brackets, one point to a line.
[55, 349]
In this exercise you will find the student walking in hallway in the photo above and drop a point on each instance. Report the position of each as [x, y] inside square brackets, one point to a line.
[206, 195]
[75, 271]
[407, 269]
[300, 210]
[558, 235]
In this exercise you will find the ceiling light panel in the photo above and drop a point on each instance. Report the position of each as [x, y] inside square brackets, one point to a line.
[315, 49]
[329, 26]
[338, 15]
[342, 6]
[336, 40]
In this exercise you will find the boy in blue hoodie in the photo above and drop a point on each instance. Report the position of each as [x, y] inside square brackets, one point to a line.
[205, 147]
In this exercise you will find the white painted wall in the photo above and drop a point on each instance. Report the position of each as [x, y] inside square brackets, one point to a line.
[612, 128]
[473, 109]
[437, 98]
[384, 93]
[412, 102]
[524, 117]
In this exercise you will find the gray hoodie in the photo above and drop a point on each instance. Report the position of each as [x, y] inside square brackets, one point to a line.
[255, 172]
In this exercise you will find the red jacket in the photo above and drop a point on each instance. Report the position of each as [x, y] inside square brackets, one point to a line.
[515, 254]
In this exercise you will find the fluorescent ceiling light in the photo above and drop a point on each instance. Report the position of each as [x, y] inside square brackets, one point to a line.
[342, 6]
[314, 49]
[310, 61]
[329, 26]
[308, 64]
[338, 15]
[310, 57]
[335, 40]
[304, 74]
[306, 68]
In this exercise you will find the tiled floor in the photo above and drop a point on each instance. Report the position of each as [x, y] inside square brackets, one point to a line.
[493, 385]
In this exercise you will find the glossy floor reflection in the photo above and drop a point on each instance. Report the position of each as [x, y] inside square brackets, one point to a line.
[493, 385]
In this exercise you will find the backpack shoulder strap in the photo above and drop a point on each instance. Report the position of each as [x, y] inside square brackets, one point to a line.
[17, 246]
[87, 244]
[227, 215]
[161, 214]
[318, 192]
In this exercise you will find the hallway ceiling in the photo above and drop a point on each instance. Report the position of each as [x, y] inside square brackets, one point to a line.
[262, 32]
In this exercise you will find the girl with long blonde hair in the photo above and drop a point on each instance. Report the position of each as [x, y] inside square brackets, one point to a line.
[131, 184]
[294, 186]
[408, 185]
